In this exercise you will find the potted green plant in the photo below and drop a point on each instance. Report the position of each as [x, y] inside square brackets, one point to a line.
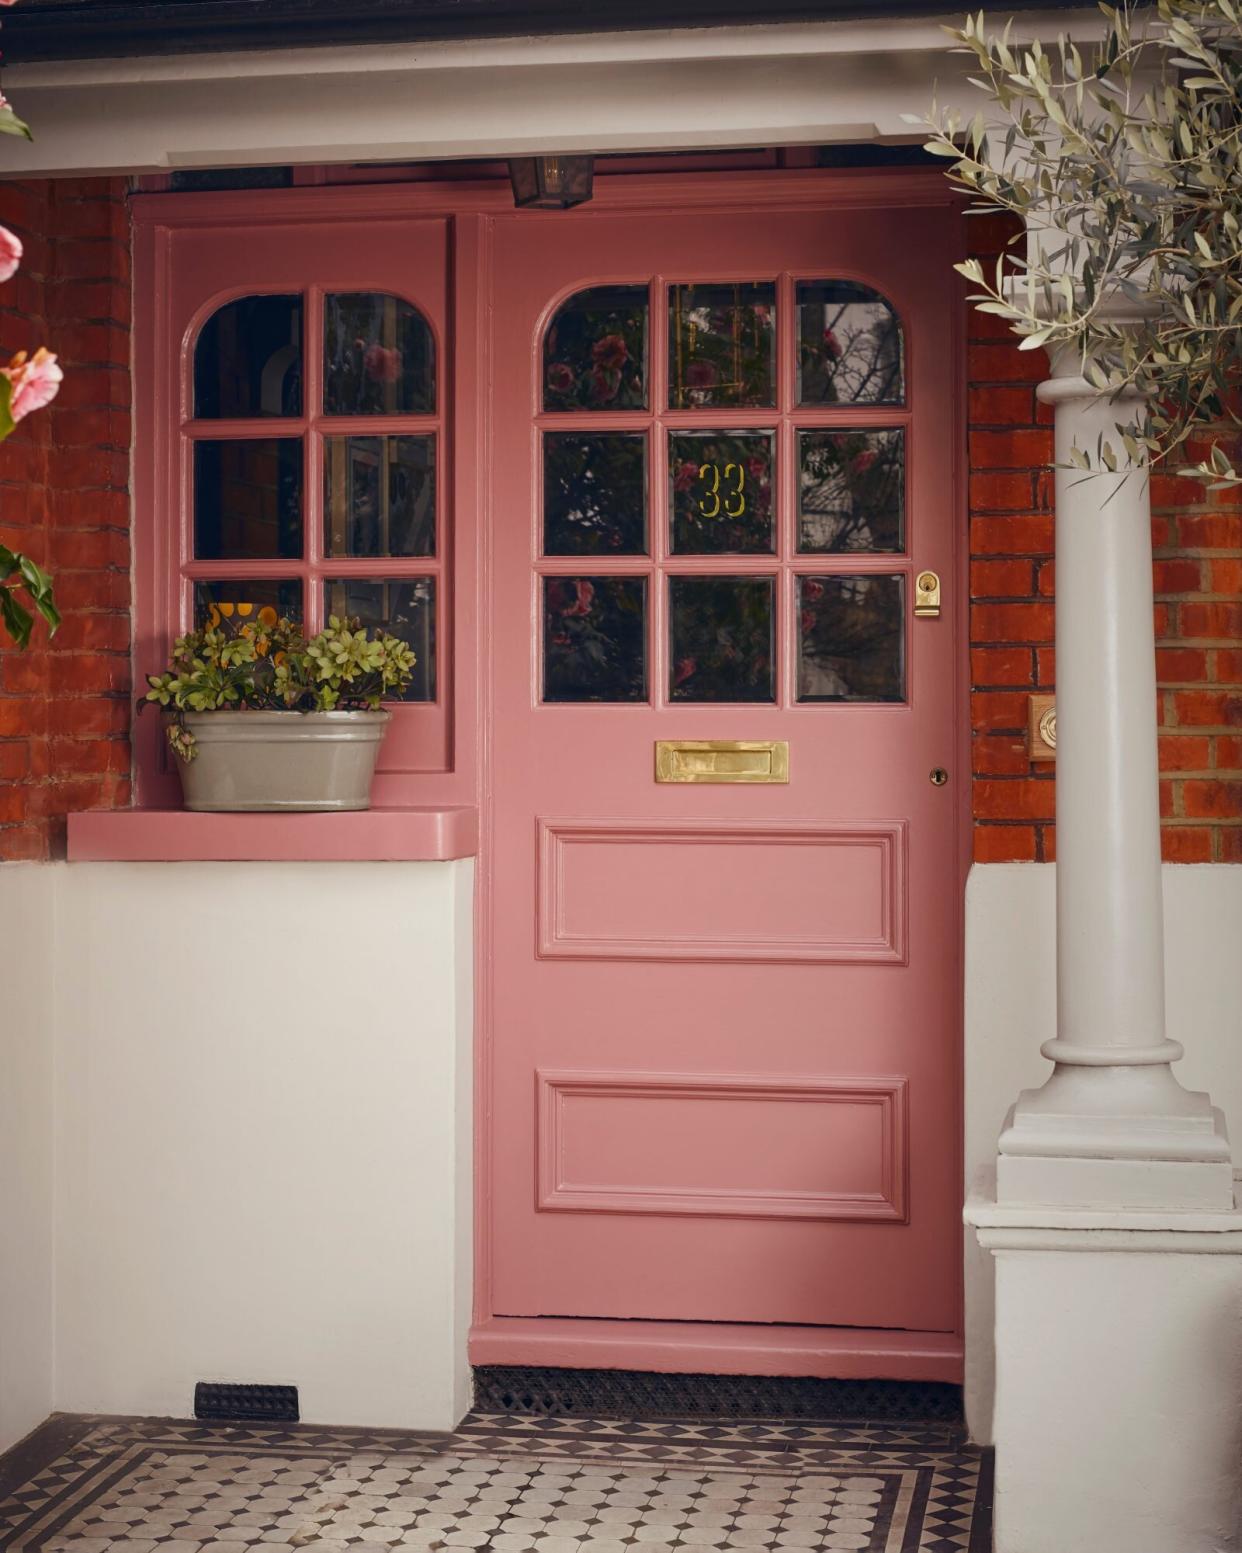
[262, 718]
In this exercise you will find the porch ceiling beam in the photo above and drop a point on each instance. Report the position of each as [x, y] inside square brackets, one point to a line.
[784, 84]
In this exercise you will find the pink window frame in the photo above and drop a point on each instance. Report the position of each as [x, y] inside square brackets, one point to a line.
[193, 255]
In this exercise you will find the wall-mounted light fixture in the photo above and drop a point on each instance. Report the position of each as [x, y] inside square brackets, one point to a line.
[551, 182]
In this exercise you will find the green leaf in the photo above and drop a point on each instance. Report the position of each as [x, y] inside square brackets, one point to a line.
[10, 124]
[7, 423]
[17, 621]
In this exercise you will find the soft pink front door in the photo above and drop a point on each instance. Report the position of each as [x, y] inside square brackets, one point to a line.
[725, 1030]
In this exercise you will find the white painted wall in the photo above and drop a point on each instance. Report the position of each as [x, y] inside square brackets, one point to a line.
[262, 1137]
[1011, 1008]
[26, 1190]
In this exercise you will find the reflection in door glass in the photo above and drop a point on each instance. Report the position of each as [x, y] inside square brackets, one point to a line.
[379, 356]
[849, 345]
[406, 606]
[852, 490]
[594, 493]
[721, 639]
[595, 351]
[721, 346]
[851, 638]
[379, 496]
[594, 638]
[721, 492]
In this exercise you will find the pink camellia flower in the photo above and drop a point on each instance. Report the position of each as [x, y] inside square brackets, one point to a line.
[832, 345]
[610, 352]
[861, 462]
[701, 374]
[10, 249]
[812, 589]
[560, 377]
[35, 381]
[585, 595]
[756, 468]
[687, 474]
[571, 596]
[381, 365]
[683, 669]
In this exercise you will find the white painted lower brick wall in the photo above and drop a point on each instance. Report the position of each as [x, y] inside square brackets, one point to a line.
[1011, 1009]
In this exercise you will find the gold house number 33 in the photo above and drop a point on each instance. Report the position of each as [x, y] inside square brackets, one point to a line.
[724, 490]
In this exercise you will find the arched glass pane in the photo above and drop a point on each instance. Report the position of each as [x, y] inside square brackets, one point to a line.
[595, 351]
[248, 359]
[379, 357]
[721, 345]
[850, 347]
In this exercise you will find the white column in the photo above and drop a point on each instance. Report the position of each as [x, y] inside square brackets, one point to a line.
[1112, 1125]
[1117, 1249]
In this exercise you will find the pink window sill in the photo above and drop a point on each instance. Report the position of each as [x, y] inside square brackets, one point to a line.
[178, 836]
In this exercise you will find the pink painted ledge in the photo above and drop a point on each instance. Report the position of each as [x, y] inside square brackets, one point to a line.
[178, 836]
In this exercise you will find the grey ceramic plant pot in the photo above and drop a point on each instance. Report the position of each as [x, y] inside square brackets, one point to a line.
[279, 761]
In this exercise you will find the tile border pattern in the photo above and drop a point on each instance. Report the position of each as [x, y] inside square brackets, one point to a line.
[933, 1489]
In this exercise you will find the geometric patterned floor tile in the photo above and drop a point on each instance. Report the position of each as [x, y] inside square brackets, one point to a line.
[504, 1483]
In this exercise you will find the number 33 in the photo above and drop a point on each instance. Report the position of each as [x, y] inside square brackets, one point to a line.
[719, 498]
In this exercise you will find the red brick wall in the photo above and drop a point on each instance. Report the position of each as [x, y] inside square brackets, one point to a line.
[64, 499]
[1198, 581]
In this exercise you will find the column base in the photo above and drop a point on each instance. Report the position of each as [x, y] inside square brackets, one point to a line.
[1118, 1420]
[1126, 1137]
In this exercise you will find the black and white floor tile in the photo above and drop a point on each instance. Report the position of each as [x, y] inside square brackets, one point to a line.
[502, 1483]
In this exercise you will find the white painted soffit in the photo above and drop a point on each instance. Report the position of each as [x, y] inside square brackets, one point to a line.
[694, 88]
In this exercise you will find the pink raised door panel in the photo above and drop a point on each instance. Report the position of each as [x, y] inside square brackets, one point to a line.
[724, 1017]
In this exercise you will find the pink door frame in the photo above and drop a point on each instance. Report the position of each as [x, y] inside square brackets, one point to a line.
[471, 211]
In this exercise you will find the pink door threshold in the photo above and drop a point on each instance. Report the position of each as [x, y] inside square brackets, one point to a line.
[717, 1348]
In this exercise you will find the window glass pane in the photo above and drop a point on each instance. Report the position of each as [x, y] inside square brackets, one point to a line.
[722, 345]
[722, 647]
[849, 345]
[594, 638]
[248, 359]
[851, 638]
[248, 499]
[721, 492]
[852, 490]
[379, 495]
[378, 356]
[594, 493]
[404, 606]
[244, 599]
[595, 351]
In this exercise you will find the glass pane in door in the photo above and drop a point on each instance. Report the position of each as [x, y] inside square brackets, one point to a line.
[721, 639]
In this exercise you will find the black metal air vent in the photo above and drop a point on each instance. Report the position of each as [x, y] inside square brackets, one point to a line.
[242, 1403]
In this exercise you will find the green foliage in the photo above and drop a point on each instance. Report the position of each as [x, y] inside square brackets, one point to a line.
[264, 663]
[19, 571]
[1124, 161]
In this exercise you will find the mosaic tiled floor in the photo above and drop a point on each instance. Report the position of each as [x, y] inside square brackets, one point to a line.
[515, 1485]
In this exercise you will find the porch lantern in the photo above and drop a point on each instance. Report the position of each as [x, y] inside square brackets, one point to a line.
[551, 182]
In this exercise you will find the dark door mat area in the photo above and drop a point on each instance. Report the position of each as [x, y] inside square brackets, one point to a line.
[554, 1393]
